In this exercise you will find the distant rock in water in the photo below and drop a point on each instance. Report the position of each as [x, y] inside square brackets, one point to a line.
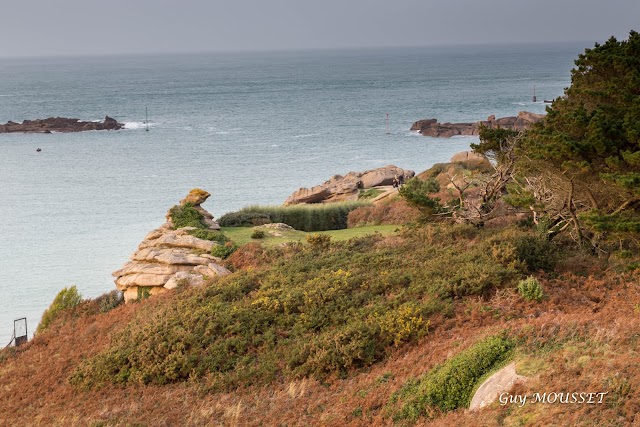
[168, 257]
[431, 127]
[347, 188]
[59, 124]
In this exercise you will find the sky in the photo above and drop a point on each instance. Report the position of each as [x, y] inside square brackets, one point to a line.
[80, 27]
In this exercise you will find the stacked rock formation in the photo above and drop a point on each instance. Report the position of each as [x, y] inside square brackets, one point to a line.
[347, 188]
[59, 124]
[168, 257]
[431, 127]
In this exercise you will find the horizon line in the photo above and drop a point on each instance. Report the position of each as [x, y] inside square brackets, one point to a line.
[301, 49]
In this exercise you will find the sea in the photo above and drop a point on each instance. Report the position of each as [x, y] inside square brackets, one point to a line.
[248, 127]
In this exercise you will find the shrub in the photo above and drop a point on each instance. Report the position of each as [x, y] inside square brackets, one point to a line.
[530, 289]
[319, 241]
[67, 298]
[186, 216]
[449, 386]
[223, 251]
[257, 234]
[315, 217]
[213, 235]
[371, 193]
[244, 218]
[109, 301]
[536, 252]
[416, 193]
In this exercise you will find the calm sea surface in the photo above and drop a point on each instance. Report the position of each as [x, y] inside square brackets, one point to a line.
[249, 128]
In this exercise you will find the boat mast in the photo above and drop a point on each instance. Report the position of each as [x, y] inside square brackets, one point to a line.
[387, 121]
[146, 114]
[534, 94]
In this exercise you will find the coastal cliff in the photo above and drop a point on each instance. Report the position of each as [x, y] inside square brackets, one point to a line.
[431, 127]
[59, 124]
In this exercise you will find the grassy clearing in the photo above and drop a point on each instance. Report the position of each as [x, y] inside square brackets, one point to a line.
[242, 235]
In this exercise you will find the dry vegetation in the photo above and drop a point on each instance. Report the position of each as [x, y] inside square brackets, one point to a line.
[583, 336]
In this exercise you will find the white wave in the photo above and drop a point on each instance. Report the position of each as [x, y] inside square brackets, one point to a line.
[223, 132]
[8, 94]
[275, 145]
[306, 135]
[136, 125]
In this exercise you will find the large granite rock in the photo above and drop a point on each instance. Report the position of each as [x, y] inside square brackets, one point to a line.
[195, 198]
[346, 188]
[59, 124]
[431, 127]
[167, 257]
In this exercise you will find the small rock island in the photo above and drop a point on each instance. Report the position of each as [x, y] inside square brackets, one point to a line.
[431, 127]
[59, 124]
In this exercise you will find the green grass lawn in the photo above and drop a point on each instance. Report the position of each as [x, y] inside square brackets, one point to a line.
[242, 235]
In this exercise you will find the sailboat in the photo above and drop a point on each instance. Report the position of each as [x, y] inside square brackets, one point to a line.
[146, 114]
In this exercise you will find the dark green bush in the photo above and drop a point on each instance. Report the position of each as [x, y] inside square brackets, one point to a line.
[316, 217]
[109, 301]
[257, 234]
[224, 251]
[536, 252]
[213, 235]
[186, 216]
[449, 386]
[244, 219]
[67, 298]
[416, 193]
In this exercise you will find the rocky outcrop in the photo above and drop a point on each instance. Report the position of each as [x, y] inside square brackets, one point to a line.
[431, 127]
[59, 124]
[346, 188]
[167, 257]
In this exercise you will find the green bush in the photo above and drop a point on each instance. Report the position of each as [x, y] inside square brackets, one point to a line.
[224, 251]
[109, 301]
[315, 217]
[369, 194]
[536, 252]
[244, 218]
[67, 298]
[213, 235]
[530, 289]
[186, 216]
[257, 234]
[449, 386]
[416, 193]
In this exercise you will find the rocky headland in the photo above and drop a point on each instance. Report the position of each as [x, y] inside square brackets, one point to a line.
[59, 124]
[431, 127]
[169, 256]
[347, 188]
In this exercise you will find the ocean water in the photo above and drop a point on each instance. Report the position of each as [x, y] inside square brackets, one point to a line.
[248, 127]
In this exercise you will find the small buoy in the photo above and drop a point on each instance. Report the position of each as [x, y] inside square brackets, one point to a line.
[39, 150]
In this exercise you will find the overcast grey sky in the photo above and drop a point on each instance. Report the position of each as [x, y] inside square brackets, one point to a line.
[64, 27]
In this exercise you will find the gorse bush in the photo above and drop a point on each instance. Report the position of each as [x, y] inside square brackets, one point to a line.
[186, 216]
[530, 289]
[109, 301]
[212, 235]
[316, 217]
[300, 311]
[67, 298]
[223, 251]
[257, 234]
[449, 386]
